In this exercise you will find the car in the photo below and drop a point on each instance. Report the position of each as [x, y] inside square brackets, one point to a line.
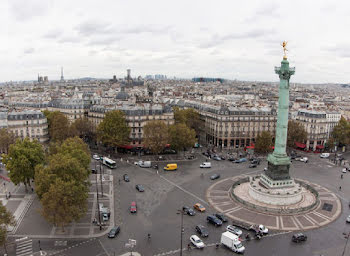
[221, 217]
[253, 165]
[93, 171]
[197, 242]
[299, 237]
[241, 160]
[126, 178]
[214, 220]
[259, 229]
[199, 207]
[324, 155]
[133, 208]
[188, 211]
[207, 154]
[189, 157]
[215, 176]
[234, 230]
[114, 232]
[222, 157]
[217, 158]
[348, 219]
[96, 157]
[205, 165]
[304, 159]
[255, 161]
[232, 158]
[105, 216]
[140, 188]
[203, 231]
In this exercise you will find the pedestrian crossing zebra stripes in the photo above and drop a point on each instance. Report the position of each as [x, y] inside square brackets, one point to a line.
[24, 247]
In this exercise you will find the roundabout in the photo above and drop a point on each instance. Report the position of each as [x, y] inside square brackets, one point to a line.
[309, 213]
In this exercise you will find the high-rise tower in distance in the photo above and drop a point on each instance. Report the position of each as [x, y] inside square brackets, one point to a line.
[62, 77]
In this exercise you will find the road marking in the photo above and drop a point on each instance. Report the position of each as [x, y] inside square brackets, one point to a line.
[104, 247]
[184, 190]
[24, 247]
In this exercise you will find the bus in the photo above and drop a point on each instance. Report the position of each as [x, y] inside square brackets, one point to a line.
[109, 163]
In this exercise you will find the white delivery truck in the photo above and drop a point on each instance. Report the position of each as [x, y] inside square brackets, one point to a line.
[232, 241]
[144, 164]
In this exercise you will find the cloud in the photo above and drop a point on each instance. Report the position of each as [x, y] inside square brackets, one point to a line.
[54, 33]
[70, 39]
[29, 50]
[24, 10]
[103, 40]
[90, 28]
[342, 51]
[153, 29]
[252, 34]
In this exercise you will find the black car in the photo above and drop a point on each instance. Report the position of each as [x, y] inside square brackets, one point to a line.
[214, 220]
[221, 217]
[300, 237]
[203, 231]
[188, 211]
[207, 154]
[232, 159]
[126, 178]
[114, 232]
[93, 171]
[253, 165]
[215, 176]
[255, 161]
[222, 157]
[140, 188]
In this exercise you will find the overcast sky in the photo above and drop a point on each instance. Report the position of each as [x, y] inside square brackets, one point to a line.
[183, 38]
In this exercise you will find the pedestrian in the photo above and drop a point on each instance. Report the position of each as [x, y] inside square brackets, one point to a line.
[341, 176]
[32, 189]
[339, 188]
[9, 194]
[189, 247]
[6, 196]
[157, 172]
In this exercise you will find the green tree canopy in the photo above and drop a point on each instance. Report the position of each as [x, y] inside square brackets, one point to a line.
[59, 128]
[64, 202]
[155, 135]
[113, 130]
[181, 136]
[263, 142]
[6, 219]
[22, 159]
[6, 139]
[296, 133]
[341, 132]
[188, 116]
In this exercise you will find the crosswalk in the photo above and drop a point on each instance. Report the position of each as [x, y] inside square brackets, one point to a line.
[24, 247]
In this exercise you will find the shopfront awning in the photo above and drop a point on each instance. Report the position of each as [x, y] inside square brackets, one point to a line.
[319, 147]
[300, 145]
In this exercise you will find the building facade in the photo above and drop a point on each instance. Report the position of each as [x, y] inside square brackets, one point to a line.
[28, 124]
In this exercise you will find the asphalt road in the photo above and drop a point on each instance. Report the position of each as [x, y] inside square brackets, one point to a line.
[167, 192]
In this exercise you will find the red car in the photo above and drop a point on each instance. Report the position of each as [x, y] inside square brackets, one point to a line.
[133, 208]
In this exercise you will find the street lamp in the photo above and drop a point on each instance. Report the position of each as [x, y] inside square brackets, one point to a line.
[182, 228]
[98, 204]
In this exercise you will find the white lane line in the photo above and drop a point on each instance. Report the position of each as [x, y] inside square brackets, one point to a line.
[103, 247]
[184, 190]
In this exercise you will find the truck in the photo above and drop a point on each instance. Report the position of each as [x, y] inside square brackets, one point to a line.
[144, 164]
[232, 242]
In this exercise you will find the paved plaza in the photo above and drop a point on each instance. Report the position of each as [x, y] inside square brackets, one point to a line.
[166, 192]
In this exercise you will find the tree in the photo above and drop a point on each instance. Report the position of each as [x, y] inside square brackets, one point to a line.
[6, 219]
[83, 128]
[263, 142]
[296, 133]
[6, 139]
[188, 116]
[181, 136]
[22, 159]
[113, 130]
[341, 132]
[59, 128]
[64, 202]
[155, 135]
[68, 161]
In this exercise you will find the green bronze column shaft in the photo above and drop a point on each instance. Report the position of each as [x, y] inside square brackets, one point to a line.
[283, 107]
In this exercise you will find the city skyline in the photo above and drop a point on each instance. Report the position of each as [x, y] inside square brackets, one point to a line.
[229, 40]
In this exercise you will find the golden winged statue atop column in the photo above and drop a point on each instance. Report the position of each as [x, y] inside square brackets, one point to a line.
[284, 45]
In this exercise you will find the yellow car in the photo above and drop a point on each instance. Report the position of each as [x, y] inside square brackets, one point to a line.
[199, 207]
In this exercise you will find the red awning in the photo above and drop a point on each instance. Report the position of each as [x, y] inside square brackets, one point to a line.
[300, 145]
[251, 147]
[125, 146]
[319, 147]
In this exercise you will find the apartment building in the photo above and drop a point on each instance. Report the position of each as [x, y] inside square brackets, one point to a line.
[72, 108]
[137, 116]
[28, 124]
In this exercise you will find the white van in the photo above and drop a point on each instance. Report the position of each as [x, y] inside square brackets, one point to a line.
[145, 164]
[205, 165]
[324, 155]
[232, 241]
